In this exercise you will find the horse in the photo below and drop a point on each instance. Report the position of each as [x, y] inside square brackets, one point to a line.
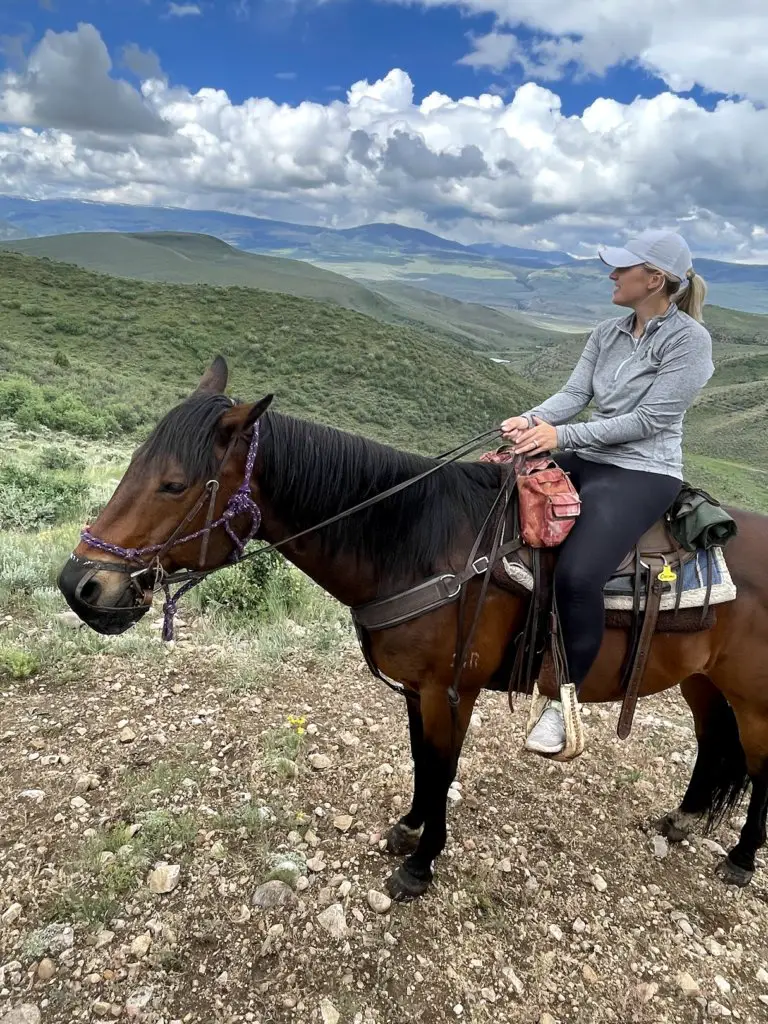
[304, 473]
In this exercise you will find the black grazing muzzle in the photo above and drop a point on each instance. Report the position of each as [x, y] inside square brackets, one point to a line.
[82, 590]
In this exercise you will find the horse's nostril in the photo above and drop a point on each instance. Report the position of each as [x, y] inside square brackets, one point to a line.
[90, 592]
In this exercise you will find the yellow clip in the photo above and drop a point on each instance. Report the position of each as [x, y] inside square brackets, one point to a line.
[667, 575]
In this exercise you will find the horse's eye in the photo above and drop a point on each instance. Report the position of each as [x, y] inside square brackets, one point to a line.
[169, 487]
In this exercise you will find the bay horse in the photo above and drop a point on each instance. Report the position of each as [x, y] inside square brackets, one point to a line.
[305, 473]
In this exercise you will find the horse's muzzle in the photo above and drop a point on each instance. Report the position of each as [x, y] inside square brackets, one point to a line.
[104, 595]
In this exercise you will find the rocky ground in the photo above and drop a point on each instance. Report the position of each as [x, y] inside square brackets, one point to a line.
[174, 848]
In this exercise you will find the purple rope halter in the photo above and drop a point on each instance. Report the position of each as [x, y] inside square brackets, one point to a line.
[240, 504]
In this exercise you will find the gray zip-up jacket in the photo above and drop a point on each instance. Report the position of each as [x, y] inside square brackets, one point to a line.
[641, 390]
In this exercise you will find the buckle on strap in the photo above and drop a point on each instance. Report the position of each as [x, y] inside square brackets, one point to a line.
[480, 564]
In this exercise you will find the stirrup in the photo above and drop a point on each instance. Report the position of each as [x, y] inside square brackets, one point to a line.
[574, 734]
[538, 706]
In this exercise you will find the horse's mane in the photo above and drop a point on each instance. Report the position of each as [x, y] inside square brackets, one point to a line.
[310, 472]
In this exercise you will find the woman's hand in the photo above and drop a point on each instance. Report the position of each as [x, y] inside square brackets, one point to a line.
[533, 440]
[512, 428]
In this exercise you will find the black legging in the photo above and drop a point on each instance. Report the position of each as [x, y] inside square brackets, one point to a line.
[617, 507]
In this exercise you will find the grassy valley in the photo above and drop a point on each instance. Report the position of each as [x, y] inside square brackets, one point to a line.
[102, 356]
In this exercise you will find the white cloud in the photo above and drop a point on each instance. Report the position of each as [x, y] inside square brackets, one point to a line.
[66, 84]
[475, 168]
[184, 10]
[285, 76]
[723, 47]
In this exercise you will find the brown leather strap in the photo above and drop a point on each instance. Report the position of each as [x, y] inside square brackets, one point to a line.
[652, 606]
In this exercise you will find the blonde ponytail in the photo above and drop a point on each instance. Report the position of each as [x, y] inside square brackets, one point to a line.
[690, 298]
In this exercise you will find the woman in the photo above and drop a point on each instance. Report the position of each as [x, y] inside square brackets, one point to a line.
[643, 371]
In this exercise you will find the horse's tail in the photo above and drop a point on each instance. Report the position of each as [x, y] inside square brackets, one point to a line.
[728, 764]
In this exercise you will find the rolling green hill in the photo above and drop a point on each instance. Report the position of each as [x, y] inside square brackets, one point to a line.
[180, 258]
[102, 356]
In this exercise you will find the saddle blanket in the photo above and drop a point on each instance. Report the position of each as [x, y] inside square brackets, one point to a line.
[618, 590]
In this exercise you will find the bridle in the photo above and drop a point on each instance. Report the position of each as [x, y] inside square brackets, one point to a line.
[149, 558]
[240, 503]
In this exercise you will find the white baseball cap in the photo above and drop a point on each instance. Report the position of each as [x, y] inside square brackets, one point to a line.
[663, 249]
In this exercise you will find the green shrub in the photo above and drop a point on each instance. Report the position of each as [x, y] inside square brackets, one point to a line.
[61, 359]
[68, 325]
[17, 664]
[54, 457]
[30, 499]
[251, 587]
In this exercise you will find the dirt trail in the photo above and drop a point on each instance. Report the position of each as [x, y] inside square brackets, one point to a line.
[551, 902]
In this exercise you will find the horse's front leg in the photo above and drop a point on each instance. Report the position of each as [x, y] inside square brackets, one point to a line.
[443, 733]
[403, 837]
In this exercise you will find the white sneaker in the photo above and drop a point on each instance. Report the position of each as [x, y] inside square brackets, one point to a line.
[548, 735]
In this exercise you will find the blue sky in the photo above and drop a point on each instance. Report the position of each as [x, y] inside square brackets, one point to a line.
[252, 49]
[557, 123]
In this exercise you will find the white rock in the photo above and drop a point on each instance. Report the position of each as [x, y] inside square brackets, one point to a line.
[343, 822]
[104, 938]
[319, 762]
[138, 1001]
[25, 1013]
[78, 803]
[579, 926]
[349, 739]
[126, 735]
[685, 926]
[713, 947]
[599, 883]
[85, 783]
[722, 985]
[334, 921]
[509, 976]
[328, 1012]
[762, 976]
[715, 1009]
[687, 985]
[713, 847]
[141, 945]
[589, 975]
[660, 847]
[547, 1018]
[164, 878]
[35, 796]
[378, 902]
[13, 913]
[556, 932]
[646, 990]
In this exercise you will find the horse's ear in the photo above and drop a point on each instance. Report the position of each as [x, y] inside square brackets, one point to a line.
[242, 417]
[214, 380]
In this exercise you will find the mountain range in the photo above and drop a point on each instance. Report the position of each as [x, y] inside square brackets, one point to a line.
[551, 288]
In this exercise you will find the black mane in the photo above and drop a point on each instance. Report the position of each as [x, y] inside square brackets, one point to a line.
[187, 434]
[311, 472]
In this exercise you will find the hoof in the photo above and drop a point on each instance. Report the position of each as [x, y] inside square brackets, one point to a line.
[732, 874]
[402, 840]
[672, 827]
[402, 885]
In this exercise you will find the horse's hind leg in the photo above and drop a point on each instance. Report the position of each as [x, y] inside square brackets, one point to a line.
[739, 865]
[720, 772]
[403, 837]
[443, 735]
